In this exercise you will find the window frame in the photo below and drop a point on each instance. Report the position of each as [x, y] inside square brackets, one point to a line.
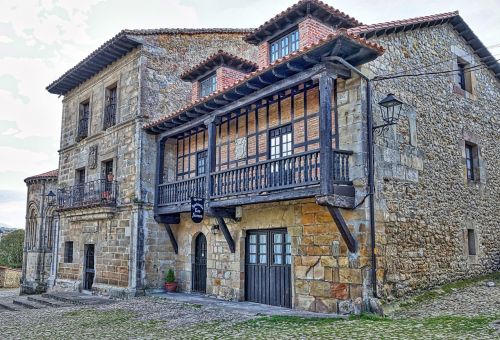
[282, 131]
[471, 242]
[201, 155]
[470, 161]
[276, 47]
[83, 115]
[68, 252]
[211, 80]
[109, 101]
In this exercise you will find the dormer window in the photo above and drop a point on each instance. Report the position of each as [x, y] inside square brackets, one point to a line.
[208, 85]
[284, 45]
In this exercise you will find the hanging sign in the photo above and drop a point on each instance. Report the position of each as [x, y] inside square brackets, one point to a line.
[197, 209]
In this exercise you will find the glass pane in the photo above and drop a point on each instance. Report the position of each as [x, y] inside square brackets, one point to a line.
[253, 238]
[263, 259]
[288, 238]
[263, 238]
[278, 259]
[253, 248]
[277, 248]
[288, 249]
[263, 249]
[253, 259]
[277, 238]
[288, 259]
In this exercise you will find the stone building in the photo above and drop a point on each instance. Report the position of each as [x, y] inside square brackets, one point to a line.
[266, 136]
[40, 233]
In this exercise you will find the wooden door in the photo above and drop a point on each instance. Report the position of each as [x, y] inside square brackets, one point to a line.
[199, 270]
[268, 267]
[89, 271]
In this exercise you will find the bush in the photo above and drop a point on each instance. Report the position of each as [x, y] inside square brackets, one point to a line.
[11, 249]
[170, 277]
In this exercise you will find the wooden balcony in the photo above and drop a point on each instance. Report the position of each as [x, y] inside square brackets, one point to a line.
[292, 177]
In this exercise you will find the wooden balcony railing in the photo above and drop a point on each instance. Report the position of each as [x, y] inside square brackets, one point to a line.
[298, 170]
[291, 171]
[99, 192]
[181, 191]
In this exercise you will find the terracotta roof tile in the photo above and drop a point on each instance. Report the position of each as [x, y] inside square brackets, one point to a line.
[45, 175]
[214, 58]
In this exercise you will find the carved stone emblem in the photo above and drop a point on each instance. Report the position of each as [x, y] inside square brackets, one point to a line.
[93, 157]
[240, 151]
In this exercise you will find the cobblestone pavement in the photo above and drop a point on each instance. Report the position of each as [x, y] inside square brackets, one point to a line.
[469, 313]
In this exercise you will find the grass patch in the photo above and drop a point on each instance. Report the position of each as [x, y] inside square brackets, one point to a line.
[369, 317]
[296, 320]
[449, 288]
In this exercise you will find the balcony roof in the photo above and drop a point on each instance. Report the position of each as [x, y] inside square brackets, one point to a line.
[352, 48]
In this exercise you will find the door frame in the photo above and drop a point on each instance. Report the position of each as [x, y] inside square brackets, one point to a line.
[201, 287]
[92, 271]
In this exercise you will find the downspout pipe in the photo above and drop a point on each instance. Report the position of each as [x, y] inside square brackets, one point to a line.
[371, 162]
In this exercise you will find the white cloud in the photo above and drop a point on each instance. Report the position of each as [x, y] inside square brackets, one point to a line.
[10, 132]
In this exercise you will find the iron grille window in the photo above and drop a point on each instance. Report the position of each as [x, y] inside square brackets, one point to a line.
[471, 241]
[284, 45]
[201, 163]
[83, 121]
[461, 75]
[208, 85]
[469, 161]
[110, 108]
[280, 142]
[68, 252]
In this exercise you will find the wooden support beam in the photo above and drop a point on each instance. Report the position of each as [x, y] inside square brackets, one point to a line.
[167, 220]
[211, 125]
[227, 234]
[343, 228]
[325, 131]
[171, 236]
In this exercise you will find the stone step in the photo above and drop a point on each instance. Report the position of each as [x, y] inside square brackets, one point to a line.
[77, 298]
[9, 306]
[47, 302]
[22, 301]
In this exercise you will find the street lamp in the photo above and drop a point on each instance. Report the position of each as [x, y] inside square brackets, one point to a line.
[51, 199]
[391, 110]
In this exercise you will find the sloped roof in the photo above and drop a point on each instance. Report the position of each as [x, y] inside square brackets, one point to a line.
[218, 59]
[308, 55]
[453, 18]
[52, 174]
[115, 48]
[293, 14]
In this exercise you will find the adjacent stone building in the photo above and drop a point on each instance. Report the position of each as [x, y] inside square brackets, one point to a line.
[266, 136]
[40, 233]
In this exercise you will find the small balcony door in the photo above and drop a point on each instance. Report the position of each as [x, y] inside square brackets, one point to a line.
[280, 145]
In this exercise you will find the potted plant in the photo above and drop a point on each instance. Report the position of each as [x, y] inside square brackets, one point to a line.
[170, 284]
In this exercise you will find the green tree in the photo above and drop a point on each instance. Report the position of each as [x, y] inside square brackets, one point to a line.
[11, 249]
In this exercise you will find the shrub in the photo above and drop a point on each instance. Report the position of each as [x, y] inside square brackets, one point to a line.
[170, 277]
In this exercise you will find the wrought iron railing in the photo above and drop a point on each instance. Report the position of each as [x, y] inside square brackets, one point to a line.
[298, 170]
[181, 191]
[83, 128]
[99, 192]
[109, 116]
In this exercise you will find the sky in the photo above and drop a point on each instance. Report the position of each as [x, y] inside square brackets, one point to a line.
[41, 39]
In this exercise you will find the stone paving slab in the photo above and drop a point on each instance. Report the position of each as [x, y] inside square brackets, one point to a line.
[78, 298]
[245, 307]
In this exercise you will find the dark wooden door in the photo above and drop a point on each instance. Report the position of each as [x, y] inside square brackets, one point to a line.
[268, 267]
[199, 272]
[89, 272]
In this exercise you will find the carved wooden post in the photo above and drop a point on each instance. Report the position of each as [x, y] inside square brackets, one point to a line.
[160, 160]
[211, 127]
[325, 131]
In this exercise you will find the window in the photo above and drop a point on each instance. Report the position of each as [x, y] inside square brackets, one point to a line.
[79, 189]
[80, 176]
[110, 107]
[68, 252]
[280, 142]
[201, 163]
[471, 156]
[208, 85]
[471, 241]
[284, 45]
[83, 120]
[464, 75]
[107, 169]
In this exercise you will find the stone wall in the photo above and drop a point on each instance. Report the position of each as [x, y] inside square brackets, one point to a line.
[9, 278]
[425, 204]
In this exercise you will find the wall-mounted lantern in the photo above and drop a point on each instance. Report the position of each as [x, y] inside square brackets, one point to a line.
[391, 110]
[51, 199]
